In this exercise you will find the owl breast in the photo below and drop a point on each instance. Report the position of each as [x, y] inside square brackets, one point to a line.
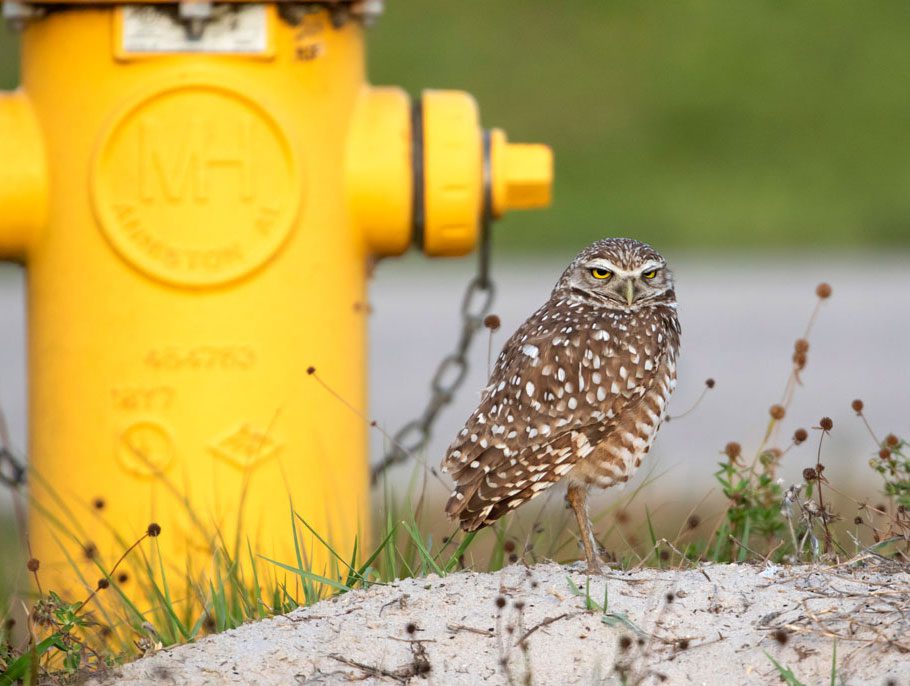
[647, 345]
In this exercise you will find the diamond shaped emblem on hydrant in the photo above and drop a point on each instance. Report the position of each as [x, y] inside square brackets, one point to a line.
[246, 446]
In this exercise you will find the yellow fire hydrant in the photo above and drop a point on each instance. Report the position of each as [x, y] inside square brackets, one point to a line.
[196, 191]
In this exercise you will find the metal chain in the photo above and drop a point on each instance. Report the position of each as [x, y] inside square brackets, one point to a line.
[12, 471]
[453, 369]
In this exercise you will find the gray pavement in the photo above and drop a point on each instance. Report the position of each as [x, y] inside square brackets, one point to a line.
[740, 318]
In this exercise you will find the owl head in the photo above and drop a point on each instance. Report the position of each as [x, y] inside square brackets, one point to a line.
[619, 274]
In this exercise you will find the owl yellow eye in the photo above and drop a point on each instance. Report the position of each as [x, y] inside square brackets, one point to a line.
[649, 275]
[598, 273]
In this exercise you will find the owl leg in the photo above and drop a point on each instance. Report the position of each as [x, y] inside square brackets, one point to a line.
[577, 497]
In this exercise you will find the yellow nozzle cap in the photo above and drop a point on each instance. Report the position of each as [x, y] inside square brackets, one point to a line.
[521, 174]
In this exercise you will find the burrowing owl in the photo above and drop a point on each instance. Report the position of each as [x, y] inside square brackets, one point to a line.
[577, 393]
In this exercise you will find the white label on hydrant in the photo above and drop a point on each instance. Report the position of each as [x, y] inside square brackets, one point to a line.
[229, 29]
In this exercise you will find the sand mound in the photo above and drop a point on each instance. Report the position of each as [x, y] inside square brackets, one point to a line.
[712, 625]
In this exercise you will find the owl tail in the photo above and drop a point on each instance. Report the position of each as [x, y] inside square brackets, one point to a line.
[463, 506]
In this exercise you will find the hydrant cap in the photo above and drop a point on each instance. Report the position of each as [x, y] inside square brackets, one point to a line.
[522, 174]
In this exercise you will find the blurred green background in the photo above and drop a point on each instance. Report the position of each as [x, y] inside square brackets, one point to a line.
[710, 124]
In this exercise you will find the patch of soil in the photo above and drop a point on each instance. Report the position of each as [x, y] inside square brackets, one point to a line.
[711, 625]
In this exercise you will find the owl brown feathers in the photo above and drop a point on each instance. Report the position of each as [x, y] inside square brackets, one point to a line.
[577, 393]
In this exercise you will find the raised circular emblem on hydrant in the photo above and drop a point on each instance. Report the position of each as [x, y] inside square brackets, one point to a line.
[145, 449]
[195, 185]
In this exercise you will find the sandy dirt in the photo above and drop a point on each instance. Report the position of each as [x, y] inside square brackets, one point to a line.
[712, 625]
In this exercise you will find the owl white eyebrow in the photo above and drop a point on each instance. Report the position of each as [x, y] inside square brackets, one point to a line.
[604, 264]
[651, 266]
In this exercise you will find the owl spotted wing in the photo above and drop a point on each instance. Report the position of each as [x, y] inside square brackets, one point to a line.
[551, 399]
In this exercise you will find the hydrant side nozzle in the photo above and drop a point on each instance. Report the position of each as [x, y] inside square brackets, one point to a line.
[378, 172]
[462, 173]
[23, 176]
[522, 174]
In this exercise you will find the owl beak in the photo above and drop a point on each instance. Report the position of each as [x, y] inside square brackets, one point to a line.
[630, 292]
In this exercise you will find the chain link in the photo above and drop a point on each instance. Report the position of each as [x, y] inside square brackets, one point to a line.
[12, 471]
[453, 369]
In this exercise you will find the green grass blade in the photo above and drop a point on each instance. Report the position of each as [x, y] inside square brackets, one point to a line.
[165, 599]
[834, 664]
[426, 556]
[335, 556]
[459, 551]
[498, 554]
[744, 543]
[376, 553]
[257, 588]
[653, 537]
[353, 576]
[309, 577]
[786, 674]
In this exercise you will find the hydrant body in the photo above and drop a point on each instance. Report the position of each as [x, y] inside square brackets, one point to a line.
[197, 221]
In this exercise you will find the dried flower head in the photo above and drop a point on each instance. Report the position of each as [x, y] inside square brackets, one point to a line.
[800, 435]
[857, 406]
[777, 411]
[492, 322]
[733, 450]
[32, 565]
[98, 503]
[801, 345]
[509, 546]
[693, 521]
[884, 454]
[809, 474]
[103, 583]
[891, 440]
[823, 290]
[153, 530]
[311, 370]
[826, 424]
[857, 520]
[709, 383]
[781, 636]
[90, 551]
[123, 577]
